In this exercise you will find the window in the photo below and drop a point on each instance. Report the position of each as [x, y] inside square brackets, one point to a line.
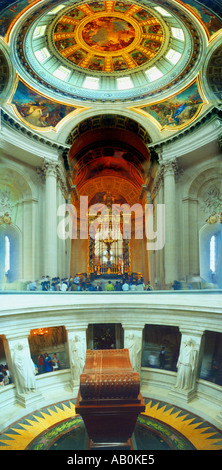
[39, 31]
[7, 254]
[153, 74]
[62, 73]
[91, 82]
[124, 83]
[162, 11]
[55, 10]
[173, 56]
[178, 33]
[213, 254]
[42, 54]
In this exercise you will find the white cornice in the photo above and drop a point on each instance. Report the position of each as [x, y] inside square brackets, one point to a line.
[203, 136]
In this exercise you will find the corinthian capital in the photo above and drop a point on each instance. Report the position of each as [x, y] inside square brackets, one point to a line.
[50, 168]
[170, 167]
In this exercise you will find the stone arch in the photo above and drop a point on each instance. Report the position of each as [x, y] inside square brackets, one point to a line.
[67, 127]
[214, 72]
[205, 174]
[14, 235]
[7, 73]
[18, 197]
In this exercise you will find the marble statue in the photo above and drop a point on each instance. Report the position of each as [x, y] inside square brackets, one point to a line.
[133, 344]
[78, 352]
[186, 365]
[24, 369]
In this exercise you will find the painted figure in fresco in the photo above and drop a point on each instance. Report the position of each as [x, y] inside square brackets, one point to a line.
[178, 110]
[35, 114]
[37, 110]
[24, 369]
[186, 365]
[108, 34]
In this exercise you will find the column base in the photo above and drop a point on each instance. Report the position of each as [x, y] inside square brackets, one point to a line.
[29, 398]
[185, 396]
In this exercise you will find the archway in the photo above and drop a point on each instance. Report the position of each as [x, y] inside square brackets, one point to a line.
[210, 248]
[111, 167]
[10, 251]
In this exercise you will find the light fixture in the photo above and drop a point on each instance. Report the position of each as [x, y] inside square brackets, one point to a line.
[40, 332]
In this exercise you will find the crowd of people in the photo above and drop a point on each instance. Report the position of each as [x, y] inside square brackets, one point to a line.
[80, 283]
[44, 364]
[47, 364]
[5, 376]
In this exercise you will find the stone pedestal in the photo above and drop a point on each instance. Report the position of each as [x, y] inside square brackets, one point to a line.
[27, 399]
[183, 396]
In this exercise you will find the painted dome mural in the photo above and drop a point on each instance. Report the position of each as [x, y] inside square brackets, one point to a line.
[108, 36]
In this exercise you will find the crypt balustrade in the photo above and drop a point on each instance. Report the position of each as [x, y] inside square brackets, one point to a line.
[137, 321]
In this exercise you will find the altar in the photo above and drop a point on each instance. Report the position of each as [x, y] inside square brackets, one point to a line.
[109, 399]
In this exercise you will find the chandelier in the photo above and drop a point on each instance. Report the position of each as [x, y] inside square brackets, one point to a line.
[40, 332]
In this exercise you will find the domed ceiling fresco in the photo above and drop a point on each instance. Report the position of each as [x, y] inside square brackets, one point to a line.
[148, 56]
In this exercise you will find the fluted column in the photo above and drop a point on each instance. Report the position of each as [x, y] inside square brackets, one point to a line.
[50, 170]
[170, 251]
[62, 245]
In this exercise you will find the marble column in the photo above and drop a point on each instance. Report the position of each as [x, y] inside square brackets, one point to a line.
[188, 365]
[50, 170]
[190, 252]
[29, 248]
[62, 196]
[170, 249]
[133, 342]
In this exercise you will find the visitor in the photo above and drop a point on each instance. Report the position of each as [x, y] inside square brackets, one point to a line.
[76, 279]
[48, 363]
[118, 286]
[90, 288]
[98, 287]
[83, 282]
[5, 378]
[55, 362]
[149, 287]
[152, 360]
[70, 281]
[33, 286]
[73, 287]
[64, 286]
[125, 286]
[57, 284]
[162, 358]
[176, 285]
[133, 286]
[140, 285]
[2, 380]
[5, 368]
[109, 286]
[41, 362]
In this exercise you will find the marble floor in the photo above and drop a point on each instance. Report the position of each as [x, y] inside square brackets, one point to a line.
[161, 427]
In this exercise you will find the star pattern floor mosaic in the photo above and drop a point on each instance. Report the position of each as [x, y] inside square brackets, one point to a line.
[161, 427]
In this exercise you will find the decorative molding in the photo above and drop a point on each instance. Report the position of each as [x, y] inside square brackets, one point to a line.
[170, 167]
[50, 168]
